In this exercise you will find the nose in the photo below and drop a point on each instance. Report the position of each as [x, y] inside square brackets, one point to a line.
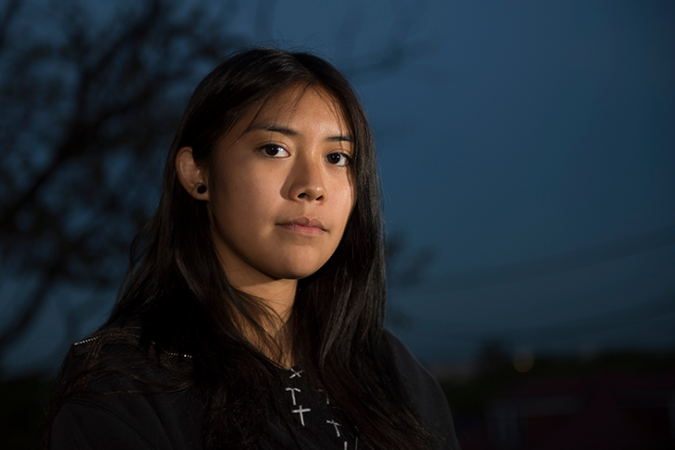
[306, 180]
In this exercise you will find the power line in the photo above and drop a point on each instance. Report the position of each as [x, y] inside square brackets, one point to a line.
[654, 309]
[550, 265]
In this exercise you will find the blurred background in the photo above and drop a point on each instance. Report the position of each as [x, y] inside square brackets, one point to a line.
[527, 154]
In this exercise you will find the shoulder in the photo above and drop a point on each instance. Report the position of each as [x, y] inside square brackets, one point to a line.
[115, 395]
[411, 370]
[99, 354]
[424, 391]
[116, 354]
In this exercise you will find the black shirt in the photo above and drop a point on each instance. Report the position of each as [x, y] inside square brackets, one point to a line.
[122, 412]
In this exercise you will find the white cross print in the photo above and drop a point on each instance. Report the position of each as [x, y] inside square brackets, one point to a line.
[293, 391]
[296, 374]
[300, 410]
[336, 425]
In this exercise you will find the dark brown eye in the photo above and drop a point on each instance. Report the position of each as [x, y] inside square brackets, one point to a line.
[338, 159]
[274, 151]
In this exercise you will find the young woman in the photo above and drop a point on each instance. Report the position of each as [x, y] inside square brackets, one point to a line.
[252, 313]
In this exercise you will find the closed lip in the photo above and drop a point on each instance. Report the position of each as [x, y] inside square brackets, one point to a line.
[304, 222]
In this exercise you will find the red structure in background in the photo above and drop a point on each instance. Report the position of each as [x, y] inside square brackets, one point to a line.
[608, 410]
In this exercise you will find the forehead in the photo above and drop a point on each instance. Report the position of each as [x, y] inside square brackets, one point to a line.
[308, 104]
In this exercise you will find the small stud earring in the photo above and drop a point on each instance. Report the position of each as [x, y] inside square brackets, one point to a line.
[201, 188]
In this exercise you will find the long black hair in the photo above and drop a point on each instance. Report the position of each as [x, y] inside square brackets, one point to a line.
[179, 295]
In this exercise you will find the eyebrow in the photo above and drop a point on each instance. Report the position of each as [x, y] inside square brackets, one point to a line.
[275, 128]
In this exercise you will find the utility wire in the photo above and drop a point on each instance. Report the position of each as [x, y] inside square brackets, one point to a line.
[550, 265]
[662, 307]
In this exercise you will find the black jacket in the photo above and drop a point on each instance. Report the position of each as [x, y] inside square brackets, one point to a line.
[122, 412]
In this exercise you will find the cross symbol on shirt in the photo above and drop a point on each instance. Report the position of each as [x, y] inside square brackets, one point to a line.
[293, 391]
[296, 374]
[356, 446]
[300, 410]
[336, 425]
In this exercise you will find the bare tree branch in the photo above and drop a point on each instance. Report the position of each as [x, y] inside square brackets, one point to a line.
[97, 96]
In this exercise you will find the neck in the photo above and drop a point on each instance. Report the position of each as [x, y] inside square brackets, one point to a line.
[276, 298]
[277, 295]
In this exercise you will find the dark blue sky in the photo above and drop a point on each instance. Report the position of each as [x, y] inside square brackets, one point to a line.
[523, 142]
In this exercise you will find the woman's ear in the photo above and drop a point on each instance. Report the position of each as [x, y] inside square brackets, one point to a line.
[190, 175]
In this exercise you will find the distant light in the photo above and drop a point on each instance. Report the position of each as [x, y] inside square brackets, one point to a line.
[523, 361]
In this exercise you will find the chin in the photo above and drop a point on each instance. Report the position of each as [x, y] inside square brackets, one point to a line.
[297, 270]
[297, 273]
[295, 265]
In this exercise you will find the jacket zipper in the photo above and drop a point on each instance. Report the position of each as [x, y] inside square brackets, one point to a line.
[95, 338]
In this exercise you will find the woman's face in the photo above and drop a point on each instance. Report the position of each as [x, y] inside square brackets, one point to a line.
[283, 188]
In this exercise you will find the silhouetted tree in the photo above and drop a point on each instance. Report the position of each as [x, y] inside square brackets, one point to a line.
[88, 93]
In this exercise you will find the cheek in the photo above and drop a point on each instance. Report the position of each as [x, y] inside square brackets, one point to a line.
[345, 208]
[349, 201]
[247, 192]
